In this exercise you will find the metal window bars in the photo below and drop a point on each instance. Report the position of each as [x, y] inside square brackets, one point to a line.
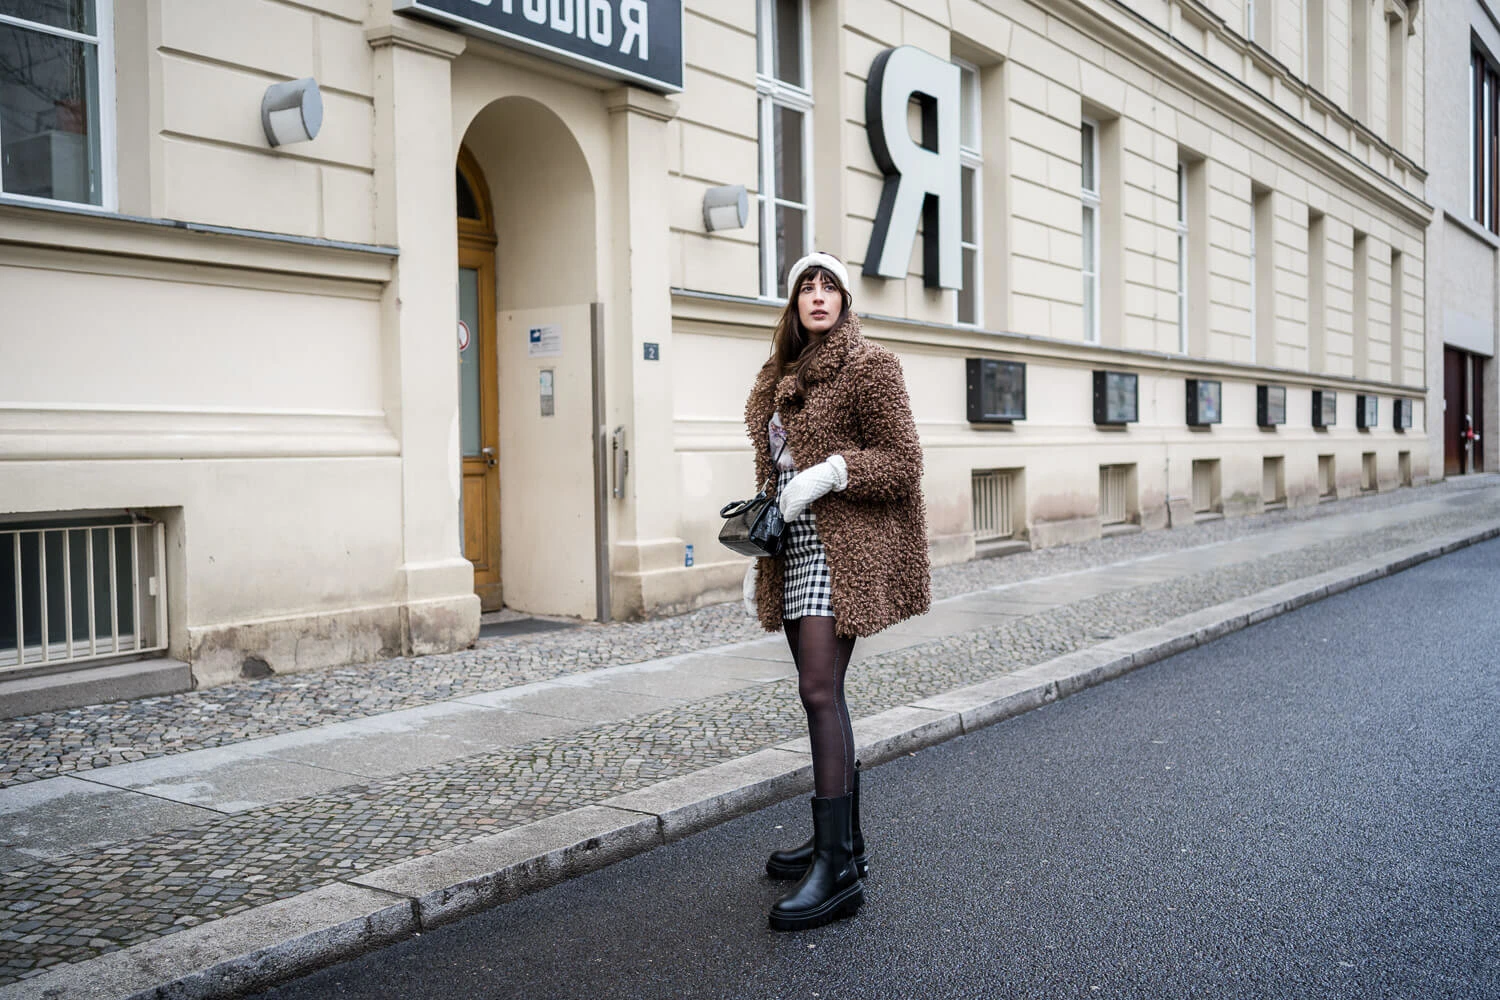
[71, 593]
[992, 505]
[1114, 482]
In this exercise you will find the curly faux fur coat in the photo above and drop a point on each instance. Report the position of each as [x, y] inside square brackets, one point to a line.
[875, 531]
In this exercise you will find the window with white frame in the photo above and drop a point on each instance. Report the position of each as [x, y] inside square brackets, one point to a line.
[785, 121]
[1182, 257]
[1089, 133]
[56, 96]
[970, 308]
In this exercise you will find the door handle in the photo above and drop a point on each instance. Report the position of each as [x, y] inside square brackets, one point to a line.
[490, 460]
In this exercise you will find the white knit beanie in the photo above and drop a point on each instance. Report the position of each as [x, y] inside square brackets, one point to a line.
[818, 259]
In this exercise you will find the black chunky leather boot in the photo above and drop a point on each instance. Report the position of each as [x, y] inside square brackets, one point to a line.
[831, 888]
[792, 863]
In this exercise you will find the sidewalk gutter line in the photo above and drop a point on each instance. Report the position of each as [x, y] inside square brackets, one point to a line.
[289, 938]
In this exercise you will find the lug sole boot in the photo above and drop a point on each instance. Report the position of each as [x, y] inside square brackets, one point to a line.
[831, 889]
[791, 864]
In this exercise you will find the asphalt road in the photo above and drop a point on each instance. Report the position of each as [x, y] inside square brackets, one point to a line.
[1307, 808]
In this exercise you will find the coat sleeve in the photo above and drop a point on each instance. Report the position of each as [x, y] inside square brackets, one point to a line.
[889, 465]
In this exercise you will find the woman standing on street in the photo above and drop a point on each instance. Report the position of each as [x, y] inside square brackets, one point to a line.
[829, 412]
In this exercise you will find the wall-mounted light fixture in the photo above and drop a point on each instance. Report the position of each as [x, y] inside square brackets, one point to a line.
[726, 207]
[292, 111]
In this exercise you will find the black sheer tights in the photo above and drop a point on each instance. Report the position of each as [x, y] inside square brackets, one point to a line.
[822, 659]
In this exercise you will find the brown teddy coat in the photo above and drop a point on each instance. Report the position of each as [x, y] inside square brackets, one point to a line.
[875, 531]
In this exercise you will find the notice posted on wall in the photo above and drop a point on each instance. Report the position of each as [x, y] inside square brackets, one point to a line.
[544, 341]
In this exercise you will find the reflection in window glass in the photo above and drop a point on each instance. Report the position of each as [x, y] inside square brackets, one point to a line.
[788, 68]
[783, 120]
[791, 225]
[1090, 230]
[49, 116]
[468, 364]
[969, 305]
[968, 295]
[1087, 134]
[789, 156]
[69, 15]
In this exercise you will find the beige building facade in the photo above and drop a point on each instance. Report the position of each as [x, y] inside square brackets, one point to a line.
[237, 427]
[1463, 311]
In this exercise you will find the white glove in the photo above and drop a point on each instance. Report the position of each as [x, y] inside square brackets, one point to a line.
[810, 484]
[747, 589]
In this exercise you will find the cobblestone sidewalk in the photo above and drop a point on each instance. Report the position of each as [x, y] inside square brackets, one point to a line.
[52, 743]
[106, 897]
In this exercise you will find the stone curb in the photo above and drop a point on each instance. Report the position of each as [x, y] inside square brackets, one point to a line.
[283, 940]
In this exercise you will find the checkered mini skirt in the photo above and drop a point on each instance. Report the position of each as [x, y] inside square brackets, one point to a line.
[806, 590]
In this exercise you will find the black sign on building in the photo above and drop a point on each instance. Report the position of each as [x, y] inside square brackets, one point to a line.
[1116, 398]
[1325, 408]
[1270, 405]
[635, 40]
[996, 389]
[1205, 402]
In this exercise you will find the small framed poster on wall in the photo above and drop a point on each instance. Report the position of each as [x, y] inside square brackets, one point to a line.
[1402, 409]
[1205, 402]
[1325, 408]
[1270, 405]
[1116, 398]
[996, 389]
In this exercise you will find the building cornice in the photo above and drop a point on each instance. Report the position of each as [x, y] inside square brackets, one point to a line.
[80, 230]
[405, 33]
[641, 102]
[733, 315]
[1152, 47]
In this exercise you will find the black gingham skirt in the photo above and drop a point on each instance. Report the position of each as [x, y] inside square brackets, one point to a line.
[806, 590]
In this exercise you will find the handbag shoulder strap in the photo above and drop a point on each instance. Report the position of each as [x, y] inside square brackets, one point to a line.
[766, 486]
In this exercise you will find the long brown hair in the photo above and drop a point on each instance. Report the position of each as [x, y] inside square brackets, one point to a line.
[793, 346]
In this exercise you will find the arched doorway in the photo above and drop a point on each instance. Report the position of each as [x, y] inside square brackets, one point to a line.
[530, 179]
[479, 417]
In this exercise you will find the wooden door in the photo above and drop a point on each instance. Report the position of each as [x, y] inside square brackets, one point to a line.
[479, 384]
[1476, 409]
[1454, 401]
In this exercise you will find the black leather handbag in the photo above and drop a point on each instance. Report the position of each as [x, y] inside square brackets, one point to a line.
[753, 527]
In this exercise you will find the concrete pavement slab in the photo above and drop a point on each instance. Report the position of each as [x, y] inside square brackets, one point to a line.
[225, 779]
[237, 954]
[47, 819]
[708, 797]
[484, 872]
[397, 742]
[572, 701]
[886, 642]
[740, 667]
[939, 624]
[997, 607]
[772, 647]
[671, 679]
